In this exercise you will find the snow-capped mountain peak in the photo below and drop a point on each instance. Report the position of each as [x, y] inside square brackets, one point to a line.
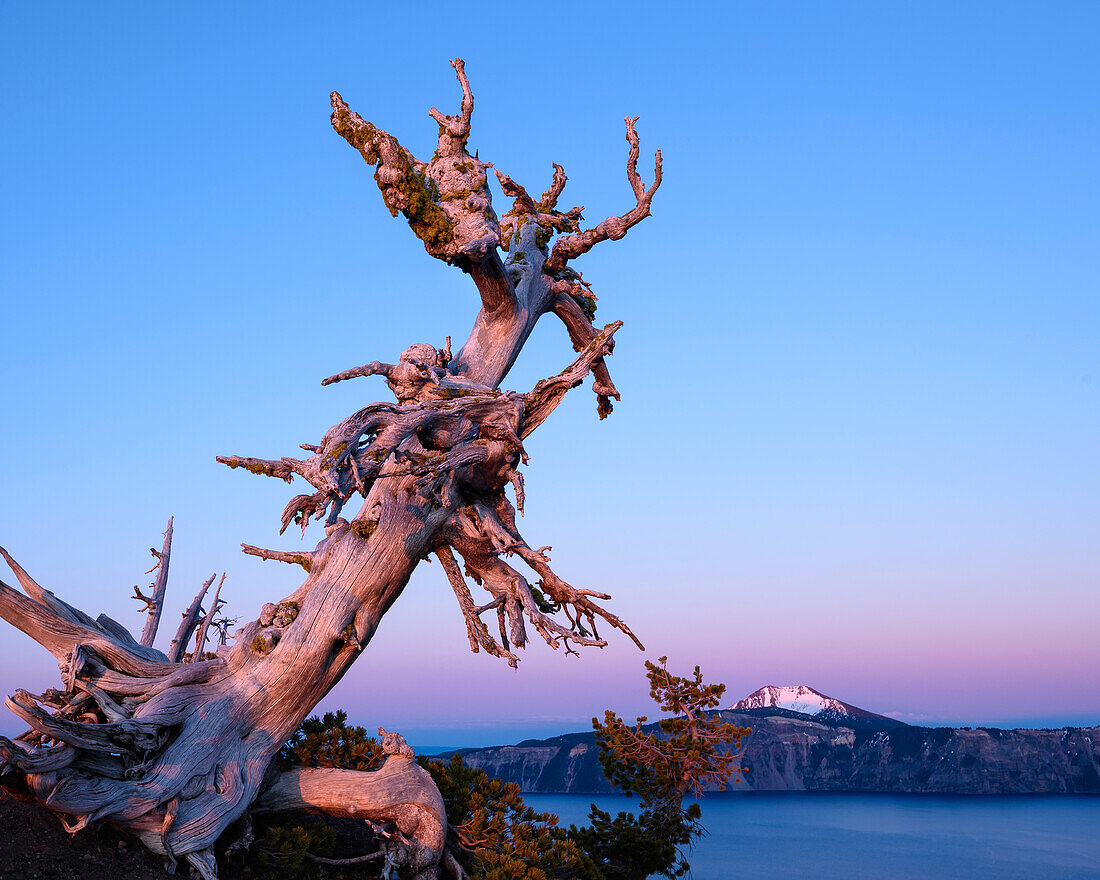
[794, 698]
[800, 698]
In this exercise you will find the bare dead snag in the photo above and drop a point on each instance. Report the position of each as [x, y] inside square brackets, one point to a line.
[215, 607]
[189, 622]
[156, 602]
[176, 751]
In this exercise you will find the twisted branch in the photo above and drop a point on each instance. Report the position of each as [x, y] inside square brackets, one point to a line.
[476, 630]
[569, 247]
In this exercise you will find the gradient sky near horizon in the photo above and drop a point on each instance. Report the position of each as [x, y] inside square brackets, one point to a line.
[859, 441]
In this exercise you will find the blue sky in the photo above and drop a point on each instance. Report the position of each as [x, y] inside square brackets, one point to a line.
[859, 434]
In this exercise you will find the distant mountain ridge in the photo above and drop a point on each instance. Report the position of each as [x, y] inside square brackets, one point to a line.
[835, 746]
[773, 700]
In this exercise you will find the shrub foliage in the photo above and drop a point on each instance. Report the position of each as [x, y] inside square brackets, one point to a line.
[331, 742]
[496, 836]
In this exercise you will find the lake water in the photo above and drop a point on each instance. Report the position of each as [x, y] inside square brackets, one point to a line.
[870, 837]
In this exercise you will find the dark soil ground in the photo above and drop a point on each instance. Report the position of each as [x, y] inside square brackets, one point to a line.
[35, 846]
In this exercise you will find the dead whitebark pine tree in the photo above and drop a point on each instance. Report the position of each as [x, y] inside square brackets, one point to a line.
[175, 747]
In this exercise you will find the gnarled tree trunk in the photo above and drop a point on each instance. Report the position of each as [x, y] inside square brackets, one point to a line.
[175, 748]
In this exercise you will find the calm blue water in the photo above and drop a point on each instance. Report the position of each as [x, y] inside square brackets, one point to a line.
[871, 837]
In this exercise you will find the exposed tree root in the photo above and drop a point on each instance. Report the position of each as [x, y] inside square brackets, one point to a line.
[400, 800]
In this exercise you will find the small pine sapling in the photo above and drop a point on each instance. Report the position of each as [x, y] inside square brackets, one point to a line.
[689, 752]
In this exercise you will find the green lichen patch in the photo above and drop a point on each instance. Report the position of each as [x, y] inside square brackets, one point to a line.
[414, 194]
[349, 636]
[285, 612]
[364, 528]
[587, 304]
[332, 457]
[459, 195]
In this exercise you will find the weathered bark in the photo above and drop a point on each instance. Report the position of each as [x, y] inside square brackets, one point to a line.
[176, 751]
[401, 794]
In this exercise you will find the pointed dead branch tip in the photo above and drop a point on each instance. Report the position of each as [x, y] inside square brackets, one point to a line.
[141, 597]
[371, 369]
[476, 631]
[12, 564]
[303, 558]
[548, 393]
[60, 610]
[573, 304]
[283, 469]
[524, 204]
[549, 198]
[516, 479]
[352, 128]
[29, 585]
[640, 192]
[301, 508]
[155, 603]
[481, 542]
[457, 126]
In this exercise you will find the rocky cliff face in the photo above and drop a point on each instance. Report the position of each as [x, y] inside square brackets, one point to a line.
[568, 763]
[790, 753]
[786, 754]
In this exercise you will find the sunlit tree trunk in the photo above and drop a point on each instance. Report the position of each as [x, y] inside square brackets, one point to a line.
[177, 747]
